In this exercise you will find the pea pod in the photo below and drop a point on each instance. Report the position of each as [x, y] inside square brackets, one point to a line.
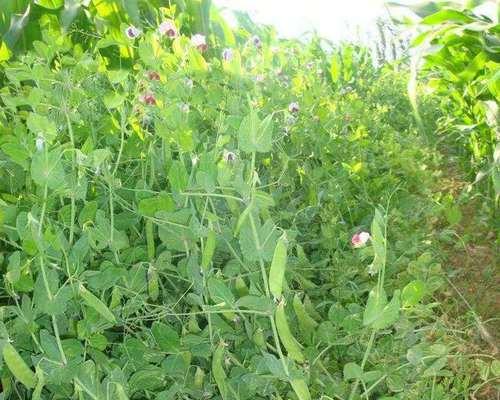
[116, 297]
[243, 217]
[291, 345]
[93, 302]
[18, 367]
[306, 323]
[277, 271]
[208, 251]
[300, 388]
[120, 391]
[218, 371]
[199, 377]
[153, 287]
[240, 286]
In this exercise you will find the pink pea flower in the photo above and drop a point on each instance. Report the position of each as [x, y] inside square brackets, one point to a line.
[148, 99]
[200, 42]
[153, 76]
[132, 32]
[294, 107]
[227, 54]
[360, 239]
[167, 28]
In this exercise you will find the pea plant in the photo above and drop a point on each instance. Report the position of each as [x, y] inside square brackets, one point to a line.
[223, 216]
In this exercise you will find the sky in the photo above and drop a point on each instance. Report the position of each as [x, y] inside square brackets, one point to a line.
[333, 19]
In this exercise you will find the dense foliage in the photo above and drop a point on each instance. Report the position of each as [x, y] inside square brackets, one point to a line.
[187, 217]
[461, 50]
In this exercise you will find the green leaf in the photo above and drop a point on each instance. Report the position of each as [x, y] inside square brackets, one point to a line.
[267, 235]
[41, 126]
[208, 251]
[88, 213]
[5, 52]
[178, 176]
[162, 202]
[196, 61]
[166, 337]
[57, 302]
[413, 293]
[378, 313]
[50, 4]
[255, 135]
[447, 15]
[257, 303]
[495, 368]
[47, 169]
[219, 292]
[352, 371]
[17, 153]
[113, 100]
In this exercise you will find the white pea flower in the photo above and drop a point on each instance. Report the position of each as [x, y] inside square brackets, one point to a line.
[168, 28]
[39, 143]
[199, 41]
[227, 54]
[229, 156]
[132, 32]
[294, 107]
[256, 41]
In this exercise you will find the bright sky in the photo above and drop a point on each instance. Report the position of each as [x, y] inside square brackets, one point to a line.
[332, 19]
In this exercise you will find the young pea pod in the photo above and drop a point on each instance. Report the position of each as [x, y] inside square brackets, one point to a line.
[153, 287]
[208, 251]
[300, 388]
[116, 297]
[277, 271]
[93, 302]
[218, 371]
[291, 345]
[18, 367]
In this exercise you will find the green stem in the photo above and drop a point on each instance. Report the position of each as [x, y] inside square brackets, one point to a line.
[363, 363]
[44, 208]
[122, 144]
[58, 339]
[268, 293]
[73, 166]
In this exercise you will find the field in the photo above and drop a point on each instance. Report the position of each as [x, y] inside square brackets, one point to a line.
[194, 211]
